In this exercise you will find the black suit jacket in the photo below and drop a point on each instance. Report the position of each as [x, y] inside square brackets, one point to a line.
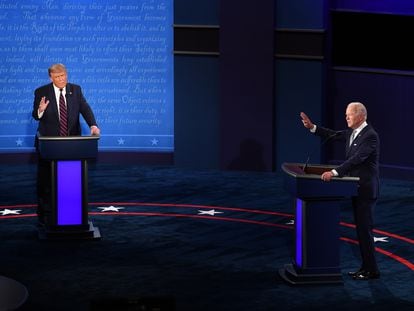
[76, 106]
[361, 159]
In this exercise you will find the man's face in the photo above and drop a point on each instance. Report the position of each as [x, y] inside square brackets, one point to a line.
[353, 119]
[60, 79]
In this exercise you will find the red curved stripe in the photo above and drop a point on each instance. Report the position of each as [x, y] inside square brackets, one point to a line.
[263, 223]
[19, 206]
[395, 236]
[401, 260]
[195, 206]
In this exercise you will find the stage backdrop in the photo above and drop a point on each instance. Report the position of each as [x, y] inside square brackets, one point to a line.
[120, 52]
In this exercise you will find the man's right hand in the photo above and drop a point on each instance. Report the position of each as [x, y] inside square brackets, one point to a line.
[306, 121]
[43, 104]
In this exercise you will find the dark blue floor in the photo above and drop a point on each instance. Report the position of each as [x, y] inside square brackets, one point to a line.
[171, 254]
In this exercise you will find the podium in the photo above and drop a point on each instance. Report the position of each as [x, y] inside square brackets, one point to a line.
[68, 157]
[317, 216]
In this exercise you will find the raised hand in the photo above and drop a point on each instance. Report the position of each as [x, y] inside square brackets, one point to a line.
[306, 121]
[43, 104]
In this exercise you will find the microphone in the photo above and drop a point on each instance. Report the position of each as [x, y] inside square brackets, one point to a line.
[335, 134]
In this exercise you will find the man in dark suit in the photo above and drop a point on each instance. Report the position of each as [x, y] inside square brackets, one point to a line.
[362, 160]
[57, 106]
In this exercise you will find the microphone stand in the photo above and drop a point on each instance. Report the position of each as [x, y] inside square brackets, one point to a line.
[323, 143]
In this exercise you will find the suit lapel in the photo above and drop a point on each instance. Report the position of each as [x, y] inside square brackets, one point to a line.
[69, 105]
[357, 139]
[52, 102]
[348, 146]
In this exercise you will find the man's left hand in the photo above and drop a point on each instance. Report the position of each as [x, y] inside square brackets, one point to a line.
[326, 176]
[95, 130]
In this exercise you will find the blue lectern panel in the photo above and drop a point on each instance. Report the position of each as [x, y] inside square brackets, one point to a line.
[299, 232]
[69, 193]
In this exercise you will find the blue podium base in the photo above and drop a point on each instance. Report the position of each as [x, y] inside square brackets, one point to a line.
[293, 277]
[69, 232]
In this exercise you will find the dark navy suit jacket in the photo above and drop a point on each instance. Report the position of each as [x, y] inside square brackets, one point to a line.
[76, 106]
[361, 158]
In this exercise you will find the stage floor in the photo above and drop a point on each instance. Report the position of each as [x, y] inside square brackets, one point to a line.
[194, 240]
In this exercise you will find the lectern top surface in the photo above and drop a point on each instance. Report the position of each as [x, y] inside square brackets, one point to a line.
[89, 137]
[313, 171]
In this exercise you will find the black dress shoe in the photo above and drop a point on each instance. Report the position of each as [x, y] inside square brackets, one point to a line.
[353, 273]
[366, 275]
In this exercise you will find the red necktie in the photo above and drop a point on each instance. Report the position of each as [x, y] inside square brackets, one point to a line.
[63, 131]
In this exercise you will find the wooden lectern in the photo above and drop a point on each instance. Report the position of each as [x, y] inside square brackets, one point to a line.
[317, 216]
[68, 157]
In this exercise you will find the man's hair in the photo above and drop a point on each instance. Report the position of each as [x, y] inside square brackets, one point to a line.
[359, 108]
[56, 68]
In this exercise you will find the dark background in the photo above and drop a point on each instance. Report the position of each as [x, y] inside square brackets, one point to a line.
[244, 72]
[325, 54]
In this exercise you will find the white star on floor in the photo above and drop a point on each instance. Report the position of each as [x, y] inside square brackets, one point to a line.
[210, 212]
[291, 222]
[381, 239]
[110, 208]
[10, 212]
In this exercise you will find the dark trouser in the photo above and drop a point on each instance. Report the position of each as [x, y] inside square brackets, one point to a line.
[363, 216]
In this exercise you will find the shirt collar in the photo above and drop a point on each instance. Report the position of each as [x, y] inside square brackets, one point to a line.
[57, 90]
[361, 127]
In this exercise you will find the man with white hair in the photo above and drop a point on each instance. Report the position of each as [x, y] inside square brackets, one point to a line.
[361, 160]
